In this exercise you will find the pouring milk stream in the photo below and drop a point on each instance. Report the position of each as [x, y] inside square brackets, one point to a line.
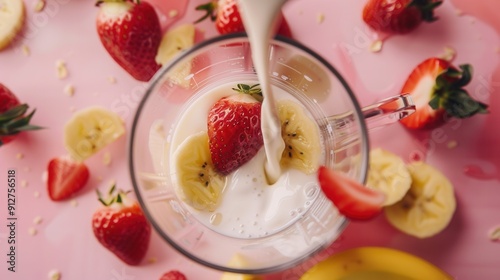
[258, 16]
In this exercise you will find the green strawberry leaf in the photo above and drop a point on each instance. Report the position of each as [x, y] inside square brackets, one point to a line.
[210, 10]
[13, 120]
[426, 8]
[434, 102]
[460, 105]
[466, 76]
[13, 113]
[21, 124]
[254, 90]
[450, 95]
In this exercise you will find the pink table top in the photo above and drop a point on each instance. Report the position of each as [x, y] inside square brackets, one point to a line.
[65, 30]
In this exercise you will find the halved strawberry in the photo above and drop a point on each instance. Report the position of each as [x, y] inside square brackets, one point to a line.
[234, 132]
[173, 275]
[121, 227]
[228, 20]
[436, 88]
[13, 118]
[398, 16]
[352, 199]
[65, 177]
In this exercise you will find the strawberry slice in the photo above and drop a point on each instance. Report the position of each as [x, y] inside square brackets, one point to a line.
[131, 33]
[234, 133]
[173, 275]
[121, 227]
[352, 199]
[227, 17]
[65, 177]
[436, 87]
[398, 16]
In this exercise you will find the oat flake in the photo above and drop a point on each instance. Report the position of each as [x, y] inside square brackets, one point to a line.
[39, 6]
[54, 274]
[494, 234]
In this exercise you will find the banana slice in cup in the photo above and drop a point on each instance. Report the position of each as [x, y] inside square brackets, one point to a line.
[428, 206]
[197, 182]
[388, 174]
[11, 20]
[301, 136]
[90, 130]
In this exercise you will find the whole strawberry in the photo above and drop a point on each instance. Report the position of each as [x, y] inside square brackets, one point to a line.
[227, 17]
[131, 33]
[234, 132]
[398, 16]
[13, 118]
[121, 227]
[437, 87]
[173, 275]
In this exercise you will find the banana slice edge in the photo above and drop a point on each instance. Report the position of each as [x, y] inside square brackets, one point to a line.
[389, 174]
[431, 193]
[12, 16]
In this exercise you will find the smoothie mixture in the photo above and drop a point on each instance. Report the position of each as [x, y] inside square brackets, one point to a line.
[241, 202]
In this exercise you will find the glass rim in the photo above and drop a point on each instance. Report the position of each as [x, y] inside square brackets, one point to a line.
[140, 108]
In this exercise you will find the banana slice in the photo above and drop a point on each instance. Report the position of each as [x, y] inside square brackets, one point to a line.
[301, 136]
[11, 20]
[427, 208]
[90, 130]
[388, 174]
[172, 43]
[198, 184]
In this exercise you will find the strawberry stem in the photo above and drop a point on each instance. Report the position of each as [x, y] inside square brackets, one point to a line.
[13, 112]
[112, 189]
[119, 198]
[111, 197]
[13, 120]
[426, 8]
[450, 95]
[255, 91]
[210, 10]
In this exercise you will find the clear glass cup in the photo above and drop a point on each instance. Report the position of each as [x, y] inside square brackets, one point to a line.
[303, 74]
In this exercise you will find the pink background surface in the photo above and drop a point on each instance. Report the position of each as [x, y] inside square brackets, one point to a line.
[66, 30]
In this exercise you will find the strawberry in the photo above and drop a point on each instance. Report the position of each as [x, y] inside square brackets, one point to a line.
[398, 16]
[121, 227]
[352, 199]
[131, 33]
[234, 132]
[173, 275]
[12, 116]
[436, 87]
[65, 177]
[228, 20]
